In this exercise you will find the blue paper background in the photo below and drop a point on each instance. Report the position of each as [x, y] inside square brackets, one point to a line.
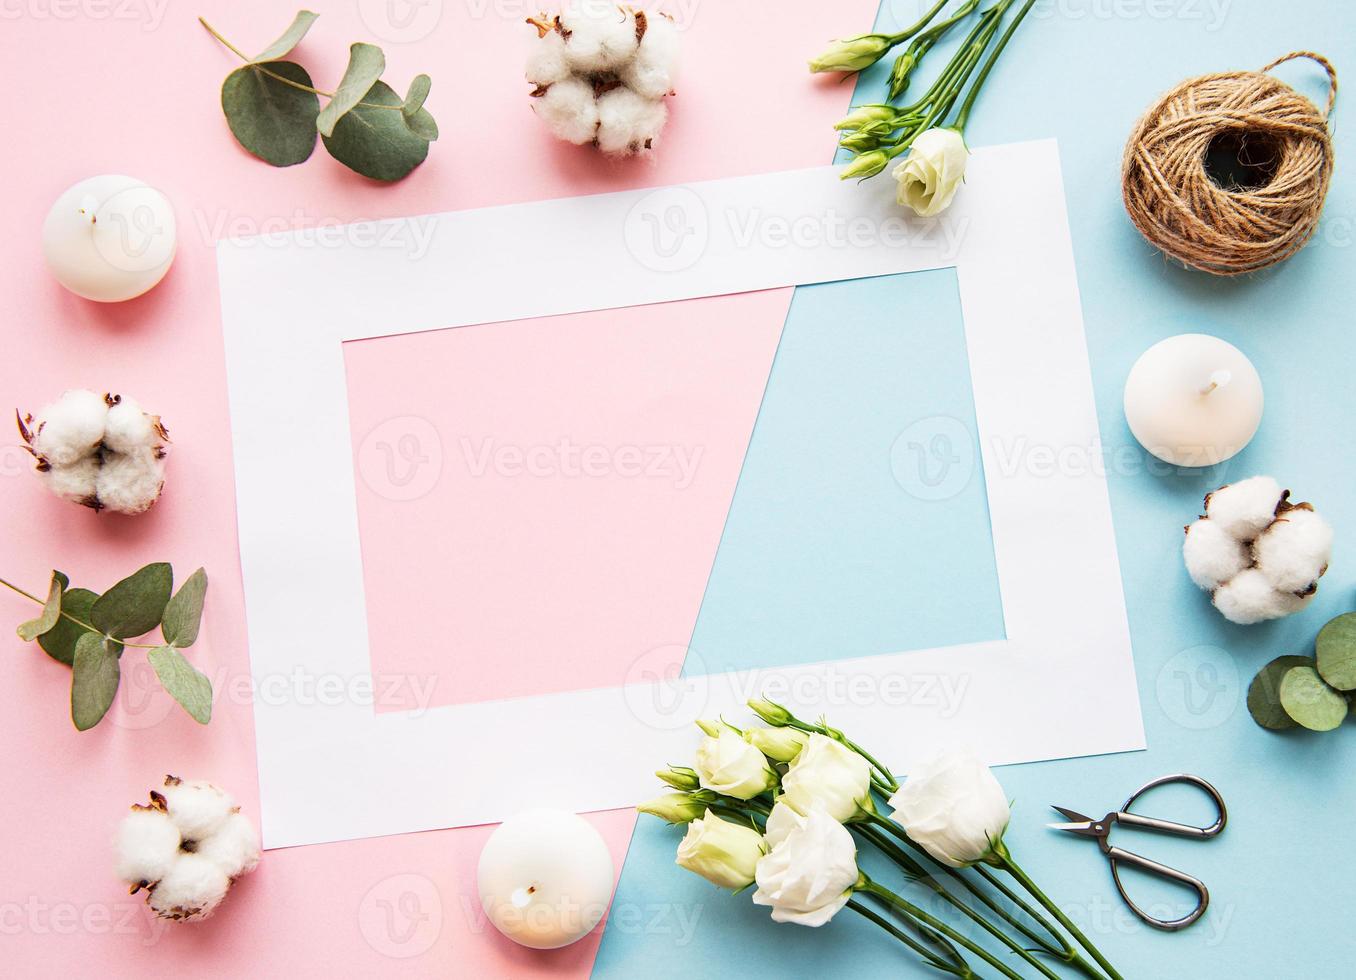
[1082, 71]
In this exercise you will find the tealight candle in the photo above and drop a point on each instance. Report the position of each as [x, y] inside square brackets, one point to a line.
[1193, 400]
[545, 878]
[109, 238]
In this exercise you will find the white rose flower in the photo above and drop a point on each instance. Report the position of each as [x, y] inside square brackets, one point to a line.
[828, 772]
[810, 875]
[724, 853]
[954, 808]
[728, 765]
[778, 744]
[932, 172]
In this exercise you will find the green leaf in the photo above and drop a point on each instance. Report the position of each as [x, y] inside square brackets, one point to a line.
[376, 142]
[59, 642]
[1311, 702]
[365, 65]
[51, 611]
[94, 682]
[1336, 648]
[273, 120]
[1264, 693]
[290, 38]
[414, 99]
[186, 684]
[134, 606]
[183, 615]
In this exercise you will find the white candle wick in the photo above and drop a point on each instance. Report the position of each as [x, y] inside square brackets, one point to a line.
[89, 206]
[1217, 380]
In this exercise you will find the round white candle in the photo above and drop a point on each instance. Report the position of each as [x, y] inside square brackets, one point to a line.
[109, 238]
[1193, 400]
[545, 878]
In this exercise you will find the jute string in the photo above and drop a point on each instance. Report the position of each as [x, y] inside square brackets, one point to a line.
[1230, 230]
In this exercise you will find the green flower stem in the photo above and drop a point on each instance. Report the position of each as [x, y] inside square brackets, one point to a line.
[78, 622]
[969, 103]
[960, 970]
[922, 875]
[279, 78]
[903, 905]
[1004, 857]
[1071, 954]
[922, 22]
[943, 80]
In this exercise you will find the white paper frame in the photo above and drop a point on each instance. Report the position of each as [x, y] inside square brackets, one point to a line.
[1061, 684]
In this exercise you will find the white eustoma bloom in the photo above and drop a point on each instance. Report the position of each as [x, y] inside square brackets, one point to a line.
[728, 765]
[724, 853]
[829, 773]
[954, 808]
[780, 822]
[932, 172]
[811, 873]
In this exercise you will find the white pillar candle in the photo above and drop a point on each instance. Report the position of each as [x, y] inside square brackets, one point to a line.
[545, 878]
[109, 238]
[1193, 400]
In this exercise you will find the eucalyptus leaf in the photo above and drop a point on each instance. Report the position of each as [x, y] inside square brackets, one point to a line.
[59, 642]
[94, 681]
[365, 65]
[51, 611]
[376, 142]
[135, 605]
[183, 615]
[1311, 702]
[414, 99]
[272, 119]
[1264, 693]
[423, 125]
[290, 38]
[1336, 649]
[186, 684]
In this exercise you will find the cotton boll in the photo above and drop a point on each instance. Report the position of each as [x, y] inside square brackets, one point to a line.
[1294, 551]
[599, 35]
[196, 806]
[233, 847]
[628, 122]
[546, 62]
[76, 482]
[128, 428]
[652, 70]
[1244, 509]
[192, 889]
[1212, 555]
[147, 846]
[1250, 598]
[71, 428]
[570, 111]
[129, 483]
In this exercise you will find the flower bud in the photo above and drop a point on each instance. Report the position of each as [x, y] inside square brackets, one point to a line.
[679, 777]
[711, 728]
[860, 142]
[673, 807]
[778, 744]
[852, 54]
[721, 851]
[901, 72]
[771, 712]
[866, 165]
[866, 116]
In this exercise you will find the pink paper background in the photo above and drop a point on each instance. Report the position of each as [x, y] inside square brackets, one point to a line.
[133, 88]
[574, 475]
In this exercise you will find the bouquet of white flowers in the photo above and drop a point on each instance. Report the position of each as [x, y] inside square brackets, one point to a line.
[786, 807]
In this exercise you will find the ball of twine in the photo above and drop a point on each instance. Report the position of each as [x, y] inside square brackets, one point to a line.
[1230, 230]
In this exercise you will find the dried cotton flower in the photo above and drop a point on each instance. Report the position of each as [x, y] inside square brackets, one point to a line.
[600, 72]
[185, 847]
[99, 451]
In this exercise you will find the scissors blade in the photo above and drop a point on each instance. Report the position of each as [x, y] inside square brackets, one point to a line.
[1079, 824]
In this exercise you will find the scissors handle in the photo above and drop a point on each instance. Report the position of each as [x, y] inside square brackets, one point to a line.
[1119, 857]
[1127, 819]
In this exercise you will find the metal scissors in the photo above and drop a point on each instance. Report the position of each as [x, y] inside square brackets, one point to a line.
[1101, 831]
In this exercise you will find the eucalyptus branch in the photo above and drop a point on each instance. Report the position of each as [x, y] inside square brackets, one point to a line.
[78, 622]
